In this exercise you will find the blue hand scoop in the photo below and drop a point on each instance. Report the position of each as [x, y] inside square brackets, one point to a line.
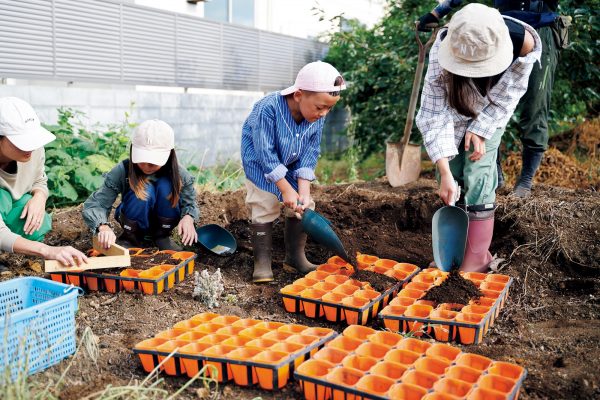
[319, 229]
[216, 239]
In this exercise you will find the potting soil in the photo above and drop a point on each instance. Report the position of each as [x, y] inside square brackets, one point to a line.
[379, 282]
[454, 289]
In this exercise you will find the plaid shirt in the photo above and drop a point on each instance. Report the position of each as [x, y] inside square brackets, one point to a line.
[443, 128]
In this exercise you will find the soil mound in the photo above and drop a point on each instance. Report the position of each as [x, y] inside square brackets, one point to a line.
[454, 289]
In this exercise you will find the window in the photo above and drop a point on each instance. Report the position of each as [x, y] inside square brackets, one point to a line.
[232, 11]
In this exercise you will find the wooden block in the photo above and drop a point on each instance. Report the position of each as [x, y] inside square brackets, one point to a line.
[114, 257]
[114, 250]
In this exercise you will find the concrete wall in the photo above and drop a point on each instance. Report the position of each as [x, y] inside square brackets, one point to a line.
[205, 123]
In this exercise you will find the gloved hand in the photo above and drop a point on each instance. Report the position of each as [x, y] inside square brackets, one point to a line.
[425, 20]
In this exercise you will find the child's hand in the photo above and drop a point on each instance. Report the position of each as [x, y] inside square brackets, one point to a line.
[187, 230]
[106, 236]
[290, 198]
[303, 195]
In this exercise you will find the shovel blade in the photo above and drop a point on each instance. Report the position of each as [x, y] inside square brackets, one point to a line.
[406, 171]
[319, 229]
[449, 237]
[216, 239]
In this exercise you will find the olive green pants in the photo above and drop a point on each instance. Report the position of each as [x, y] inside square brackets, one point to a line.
[10, 211]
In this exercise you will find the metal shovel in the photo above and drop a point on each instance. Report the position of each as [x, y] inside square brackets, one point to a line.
[449, 236]
[403, 159]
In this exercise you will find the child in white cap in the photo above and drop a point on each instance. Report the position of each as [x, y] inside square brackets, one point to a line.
[478, 70]
[281, 141]
[23, 185]
[157, 194]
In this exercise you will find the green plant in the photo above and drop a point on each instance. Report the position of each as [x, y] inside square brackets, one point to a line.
[78, 157]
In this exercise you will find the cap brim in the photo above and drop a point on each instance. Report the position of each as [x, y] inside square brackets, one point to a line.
[289, 90]
[490, 67]
[32, 140]
[155, 157]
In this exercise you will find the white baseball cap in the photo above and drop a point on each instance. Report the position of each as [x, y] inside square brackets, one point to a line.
[21, 125]
[477, 43]
[316, 76]
[152, 142]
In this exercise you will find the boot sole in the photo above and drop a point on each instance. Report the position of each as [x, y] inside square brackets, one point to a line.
[263, 280]
[290, 268]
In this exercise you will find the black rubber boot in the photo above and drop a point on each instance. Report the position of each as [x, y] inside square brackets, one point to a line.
[162, 233]
[132, 235]
[262, 247]
[499, 168]
[531, 162]
[295, 241]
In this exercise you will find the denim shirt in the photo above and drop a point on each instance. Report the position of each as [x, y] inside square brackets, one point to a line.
[98, 206]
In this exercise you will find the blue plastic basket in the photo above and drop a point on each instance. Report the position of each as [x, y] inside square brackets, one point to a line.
[37, 318]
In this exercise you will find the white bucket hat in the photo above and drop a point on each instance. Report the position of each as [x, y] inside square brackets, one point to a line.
[477, 43]
[316, 76]
[21, 125]
[152, 142]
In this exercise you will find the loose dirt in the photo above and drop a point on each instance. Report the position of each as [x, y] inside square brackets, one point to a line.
[550, 323]
[454, 289]
[379, 282]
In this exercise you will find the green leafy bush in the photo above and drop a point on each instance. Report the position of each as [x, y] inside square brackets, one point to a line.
[78, 157]
[379, 64]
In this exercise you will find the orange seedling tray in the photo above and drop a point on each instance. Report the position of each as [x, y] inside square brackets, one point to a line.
[331, 294]
[463, 323]
[251, 352]
[360, 365]
[154, 280]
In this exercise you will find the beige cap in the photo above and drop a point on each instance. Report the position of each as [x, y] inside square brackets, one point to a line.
[152, 142]
[477, 44]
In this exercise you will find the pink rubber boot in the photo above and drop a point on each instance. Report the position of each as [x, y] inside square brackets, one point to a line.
[479, 237]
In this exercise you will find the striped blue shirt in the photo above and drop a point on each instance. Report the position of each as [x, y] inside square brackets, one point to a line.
[275, 146]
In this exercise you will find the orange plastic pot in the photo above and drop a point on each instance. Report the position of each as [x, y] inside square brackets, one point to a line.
[246, 323]
[374, 384]
[230, 330]
[498, 278]
[451, 306]
[418, 311]
[148, 287]
[344, 343]
[374, 350]
[346, 289]
[183, 256]
[486, 394]
[362, 363]
[277, 336]
[417, 286]
[235, 341]
[476, 309]
[243, 375]
[353, 316]
[187, 324]
[495, 286]
[453, 387]
[414, 345]
[337, 279]
[406, 391]
[385, 263]
[312, 310]
[261, 344]
[192, 366]
[345, 377]
[388, 369]
[318, 370]
[304, 340]
[266, 375]
[170, 366]
[207, 327]
[270, 325]
[223, 370]
[425, 303]
[166, 268]
[433, 365]
[318, 332]
[402, 301]
[134, 251]
[405, 267]
[292, 328]
[506, 370]
[392, 324]
[287, 347]
[225, 319]
[254, 332]
[396, 274]
[467, 335]
[497, 383]
[317, 275]
[306, 282]
[463, 373]
[443, 351]
[112, 285]
[90, 281]
[325, 286]
[204, 317]
[478, 276]
[170, 334]
[358, 332]
[330, 355]
[364, 261]
[438, 396]
[474, 361]
[292, 305]
[389, 339]
[442, 331]
[401, 356]
[483, 301]
[331, 312]
[329, 268]
[420, 378]
[147, 360]
[128, 273]
[214, 338]
[424, 278]
[336, 260]
[367, 293]
[412, 293]
[191, 336]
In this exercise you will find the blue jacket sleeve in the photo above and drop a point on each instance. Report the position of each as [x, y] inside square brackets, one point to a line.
[264, 146]
[307, 161]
